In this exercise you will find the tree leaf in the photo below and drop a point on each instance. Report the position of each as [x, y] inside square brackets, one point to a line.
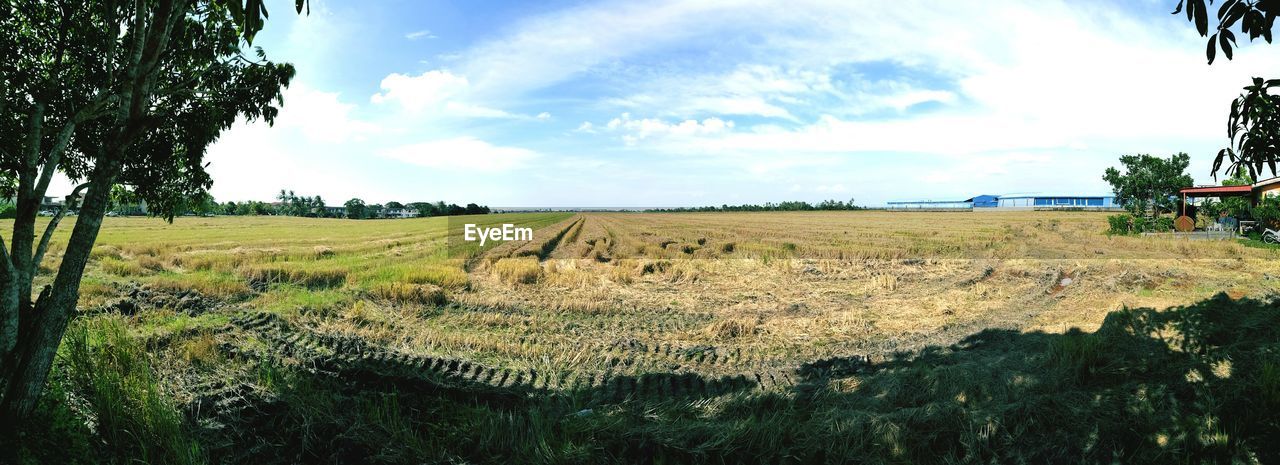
[1202, 19]
[1212, 49]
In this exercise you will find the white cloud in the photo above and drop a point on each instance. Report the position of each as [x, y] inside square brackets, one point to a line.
[430, 89]
[466, 154]
[422, 34]
[320, 116]
[639, 129]
[543, 116]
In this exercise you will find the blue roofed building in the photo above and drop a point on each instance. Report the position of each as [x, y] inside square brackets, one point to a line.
[1059, 202]
[985, 201]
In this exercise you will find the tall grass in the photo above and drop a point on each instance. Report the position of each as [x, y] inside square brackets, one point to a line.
[135, 418]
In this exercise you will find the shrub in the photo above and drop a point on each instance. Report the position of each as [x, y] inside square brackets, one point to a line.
[1267, 212]
[1121, 225]
[1161, 224]
[8, 212]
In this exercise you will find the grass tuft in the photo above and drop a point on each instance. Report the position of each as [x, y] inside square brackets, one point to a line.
[426, 294]
[305, 277]
[518, 270]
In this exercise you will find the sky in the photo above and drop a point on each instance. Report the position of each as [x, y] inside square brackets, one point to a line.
[669, 103]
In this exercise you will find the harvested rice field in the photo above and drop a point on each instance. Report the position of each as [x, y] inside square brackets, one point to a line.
[710, 337]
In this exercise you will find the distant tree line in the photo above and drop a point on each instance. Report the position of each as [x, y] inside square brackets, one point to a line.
[124, 202]
[792, 206]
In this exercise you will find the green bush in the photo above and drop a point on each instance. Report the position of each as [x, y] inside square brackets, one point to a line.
[1125, 224]
[1121, 225]
[1267, 212]
[8, 212]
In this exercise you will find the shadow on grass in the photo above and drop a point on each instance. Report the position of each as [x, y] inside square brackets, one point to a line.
[1194, 384]
[1190, 384]
[1199, 383]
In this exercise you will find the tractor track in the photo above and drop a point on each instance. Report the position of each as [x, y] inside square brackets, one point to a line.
[682, 372]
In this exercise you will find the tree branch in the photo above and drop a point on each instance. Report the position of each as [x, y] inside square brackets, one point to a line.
[53, 224]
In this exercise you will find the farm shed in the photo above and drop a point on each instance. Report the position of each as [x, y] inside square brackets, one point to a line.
[1255, 192]
[1059, 202]
[932, 205]
[985, 201]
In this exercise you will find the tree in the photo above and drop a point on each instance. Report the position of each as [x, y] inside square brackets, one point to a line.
[1149, 184]
[108, 93]
[317, 207]
[1236, 206]
[121, 199]
[424, 208]
[393, 205]
[355, 209]
[1253, 127]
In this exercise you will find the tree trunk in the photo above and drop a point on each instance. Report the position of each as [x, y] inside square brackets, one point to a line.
[56, 306]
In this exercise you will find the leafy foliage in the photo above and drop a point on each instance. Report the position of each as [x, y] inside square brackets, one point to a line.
[1123, 225]
[355, 208]
[1149, 185]
[1267, 212]
[1252, 126]
[1254, 131]
[1254, 17]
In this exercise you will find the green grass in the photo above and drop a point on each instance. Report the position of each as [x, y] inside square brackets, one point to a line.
[112, 377]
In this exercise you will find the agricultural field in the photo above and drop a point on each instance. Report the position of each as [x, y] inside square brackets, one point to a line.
[644, 337]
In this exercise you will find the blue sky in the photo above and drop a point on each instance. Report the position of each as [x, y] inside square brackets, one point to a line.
[616, 103]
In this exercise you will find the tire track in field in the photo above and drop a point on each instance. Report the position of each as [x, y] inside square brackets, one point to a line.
[350, 356]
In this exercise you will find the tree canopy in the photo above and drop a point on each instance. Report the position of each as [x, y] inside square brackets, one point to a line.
[1253, 128]
[1149, 185]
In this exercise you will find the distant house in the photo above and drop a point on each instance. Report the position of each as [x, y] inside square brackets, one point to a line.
[400, 213]
[1059, 202]
[50, 204]
[335, 211]
[1256, 192]
[1266, 188]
